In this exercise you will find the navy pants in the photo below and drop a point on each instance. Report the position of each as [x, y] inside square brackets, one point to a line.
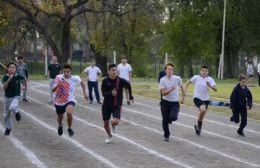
[242, 112]
[170, 112]
[94, 85]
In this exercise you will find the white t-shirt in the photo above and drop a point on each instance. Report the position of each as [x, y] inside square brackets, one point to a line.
[201, 90]
[124, 70]
[167, 83]
[258, 68]
[65, 93]
[92, 73]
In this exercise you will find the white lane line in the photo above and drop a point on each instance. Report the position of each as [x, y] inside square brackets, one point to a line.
[153, 152]
[181, 139]
[207, 120]
[74, 142]
[27, 152]
[183, 125]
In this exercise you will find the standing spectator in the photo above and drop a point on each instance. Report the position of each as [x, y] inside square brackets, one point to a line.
[250, 72]
[22, 70]
[93, 73]
[125, 71]
[258, 71]
[54, 69]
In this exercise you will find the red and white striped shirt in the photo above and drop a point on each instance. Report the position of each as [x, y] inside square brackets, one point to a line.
[65, 92]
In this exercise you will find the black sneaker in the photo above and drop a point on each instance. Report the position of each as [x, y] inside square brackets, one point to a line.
[241, 133]
[166, 139]
[18, 117]
[231, 119]
[99, 102]
[70, 131]
[197, 130]
[128, 103]
[90, 102]
[60, 130]
[25, 100]
[7, 132]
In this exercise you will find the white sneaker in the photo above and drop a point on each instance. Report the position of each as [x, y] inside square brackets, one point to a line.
[114, 128]
[108, 140]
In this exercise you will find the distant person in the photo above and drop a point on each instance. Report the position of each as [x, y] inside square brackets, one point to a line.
[202, 83]
[258, 71]
[22, 70]
[12, 88]
[93, 73]
[161, 75]
[64, 99]
[125, 71]
[54, 69]
[250, 72]
[170, 106]
[241, 101]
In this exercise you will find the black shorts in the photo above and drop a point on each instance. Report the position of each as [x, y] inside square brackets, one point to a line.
[107, 111]
[62, 109]
[199, 102]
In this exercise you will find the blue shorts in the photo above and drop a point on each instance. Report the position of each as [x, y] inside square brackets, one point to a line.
[60, 110]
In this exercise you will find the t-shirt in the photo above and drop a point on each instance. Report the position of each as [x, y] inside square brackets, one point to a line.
[92, 73]
[14, 87]
[65, 93]
[250, 69]
[167, 83]
[124, 70]
[201, 90]
[21, 69]
[258, 68]
[54, 70]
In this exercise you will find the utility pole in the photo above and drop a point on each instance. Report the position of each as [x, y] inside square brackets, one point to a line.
[221, 59]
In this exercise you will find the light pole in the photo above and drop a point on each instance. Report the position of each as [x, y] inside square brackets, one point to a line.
[221, 59]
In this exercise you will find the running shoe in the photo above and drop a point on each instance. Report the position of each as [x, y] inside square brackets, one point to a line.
[7, 132]
[70, 131]
[60, 130]
[18, 117]
[197, 130]
[108, 140]
[25, 100]
[241, 133]
[166, 139]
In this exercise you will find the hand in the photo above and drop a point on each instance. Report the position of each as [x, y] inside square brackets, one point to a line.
[182, 101]
[249, 108]
[86, 97]
[11, 76]
[114, 92]
[208, 83]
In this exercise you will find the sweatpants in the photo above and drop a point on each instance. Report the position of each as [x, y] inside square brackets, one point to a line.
[240, 113]
[10, 105]
[170, 112]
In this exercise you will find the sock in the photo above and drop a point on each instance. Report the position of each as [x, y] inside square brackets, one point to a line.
[199, 124]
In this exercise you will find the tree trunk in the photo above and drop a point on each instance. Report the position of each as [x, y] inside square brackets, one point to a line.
[65, 43]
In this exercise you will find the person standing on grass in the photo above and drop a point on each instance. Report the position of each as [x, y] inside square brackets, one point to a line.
[240, 101]
[258, 72]
[170, 106]
[12, 88]
[54, 69]
[93, 73]
[125, 71]
[250, 72]
[202, 84]
[112, 91]
[22, 70]
[64, 99]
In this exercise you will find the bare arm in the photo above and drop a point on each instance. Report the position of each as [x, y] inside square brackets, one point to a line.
[84, 90]
[165, 91]
[212, 87]
[182, 94]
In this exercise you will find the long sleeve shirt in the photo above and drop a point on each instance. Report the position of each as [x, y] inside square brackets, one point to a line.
[241, 98]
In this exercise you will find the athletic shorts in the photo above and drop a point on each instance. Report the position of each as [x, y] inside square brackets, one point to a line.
[62, 109]
[199, 102]
[108, 111]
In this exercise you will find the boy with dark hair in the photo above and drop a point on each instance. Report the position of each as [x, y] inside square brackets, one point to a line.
[241, 101]
[64, 99]
[12, 87]
[202, 84]
[112, 91]
[170, 106]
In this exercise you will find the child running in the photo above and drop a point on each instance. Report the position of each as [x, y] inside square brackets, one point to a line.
[202, 84]
[12, 88]
[241, 101]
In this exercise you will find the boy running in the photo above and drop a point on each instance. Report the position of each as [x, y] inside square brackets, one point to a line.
[64, 99]
[240, 102]
[170, 106]
[202, 84]
[12, 88]
[112, 90]
[22, 70]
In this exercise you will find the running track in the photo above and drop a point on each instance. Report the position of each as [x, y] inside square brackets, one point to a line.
[137, 144]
